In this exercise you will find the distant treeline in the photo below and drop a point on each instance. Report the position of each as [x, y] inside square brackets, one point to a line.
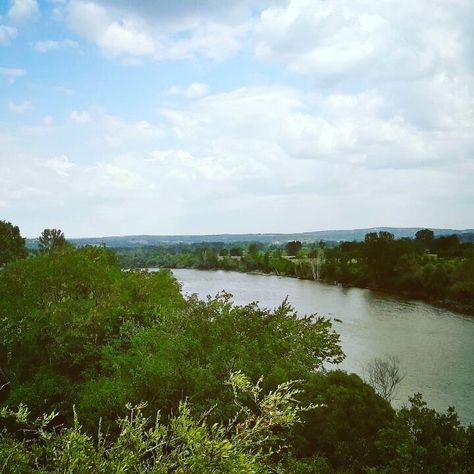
[137, 241]
[437, 269]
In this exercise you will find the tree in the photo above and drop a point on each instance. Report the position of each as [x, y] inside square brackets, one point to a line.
[249, 442]
[384, 376]
[425, 235]
[293, 247]
[380, 256]
[51, 239]
[343, 430]
[12, 244]
[235, 252]
[421, 440]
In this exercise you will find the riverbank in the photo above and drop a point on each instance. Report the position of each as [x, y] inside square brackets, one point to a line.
[439, 271]
[467, 310]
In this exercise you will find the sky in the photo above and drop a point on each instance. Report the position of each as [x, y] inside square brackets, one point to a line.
[122, 117]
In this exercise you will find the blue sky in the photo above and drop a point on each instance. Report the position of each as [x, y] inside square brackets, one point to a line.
[121, 117]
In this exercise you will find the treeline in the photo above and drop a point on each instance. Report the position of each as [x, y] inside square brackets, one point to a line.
[437, 269]
[90, 354]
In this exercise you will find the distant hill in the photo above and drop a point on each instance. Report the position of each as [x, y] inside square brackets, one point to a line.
[316, 236]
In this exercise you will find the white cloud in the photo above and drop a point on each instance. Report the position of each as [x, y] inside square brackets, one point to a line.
[7, 33]
[356, 40]
[124, 29]
[11, 74]
[51, 45]
[118, 177]
[22, 10]
[59, 164]
[124, 36]
[117, 131]
[258, 152]
[193, 91]
[80, 117]
[172, 155]
[20, 108]
[114, 131]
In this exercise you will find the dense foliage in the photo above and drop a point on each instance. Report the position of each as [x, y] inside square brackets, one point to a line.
[437, 269]
[51, 239]
[12, 244]
[251, 442]
[89, 344]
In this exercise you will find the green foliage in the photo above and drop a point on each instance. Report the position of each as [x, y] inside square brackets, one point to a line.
[59, 309]
[190, 352]
[12, 244]
[425, 235]
[78, 330]
[293, 247]
[421, 440]
[250, 442]
[51, 240]
[343, 430]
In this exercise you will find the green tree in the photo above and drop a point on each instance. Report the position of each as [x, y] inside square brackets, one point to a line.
[51, 239]
[421, 440]
[293, 247]
[344, 428]
[12, 244]
[248, 443]
[58, 311]
[236, 251]
[190, 353]
[425, 235]
[380, 256]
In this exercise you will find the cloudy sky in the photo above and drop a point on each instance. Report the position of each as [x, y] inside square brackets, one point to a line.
[184, 116]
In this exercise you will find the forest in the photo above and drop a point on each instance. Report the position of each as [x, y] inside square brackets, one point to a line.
[439, 269]
[110, 370]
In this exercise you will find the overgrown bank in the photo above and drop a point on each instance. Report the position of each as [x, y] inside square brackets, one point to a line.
[437, 270]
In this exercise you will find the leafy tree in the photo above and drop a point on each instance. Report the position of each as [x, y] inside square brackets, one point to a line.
[380, 255]
[344, 428]
[421, 440]
[59, 309]
[12, 244]
[236, 251]
[425, 235]
[293, 247]
[190, 353]
[51, 239]
[247, 443]
[447, 246]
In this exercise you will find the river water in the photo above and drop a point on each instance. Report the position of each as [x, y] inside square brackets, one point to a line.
[435, 346]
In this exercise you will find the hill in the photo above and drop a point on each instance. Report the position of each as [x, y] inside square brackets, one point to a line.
[136, 241]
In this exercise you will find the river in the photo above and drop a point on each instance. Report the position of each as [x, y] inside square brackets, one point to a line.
[435, 346]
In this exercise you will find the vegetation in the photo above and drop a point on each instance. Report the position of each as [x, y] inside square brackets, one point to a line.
[439, 270]
[104, 370]
[51, 239]
[12, 244]
[248, 443]
[384, 375]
